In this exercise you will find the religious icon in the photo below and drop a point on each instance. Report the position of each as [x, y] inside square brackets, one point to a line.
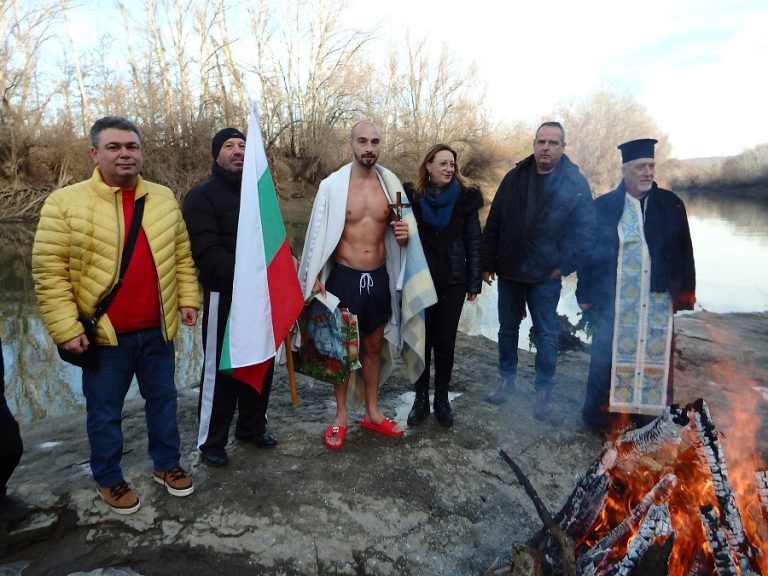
[398, 207]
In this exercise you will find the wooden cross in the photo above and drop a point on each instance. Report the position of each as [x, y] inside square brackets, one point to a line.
[398, 207]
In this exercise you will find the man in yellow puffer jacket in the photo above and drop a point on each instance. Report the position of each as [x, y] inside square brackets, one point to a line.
[76, 262]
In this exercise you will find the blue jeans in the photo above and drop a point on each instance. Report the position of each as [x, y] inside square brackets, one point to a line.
[145, 354]
[542, 299]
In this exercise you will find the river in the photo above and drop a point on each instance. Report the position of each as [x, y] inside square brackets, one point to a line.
[730, 240]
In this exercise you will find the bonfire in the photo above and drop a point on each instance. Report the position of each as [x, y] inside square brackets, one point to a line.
[658, 500]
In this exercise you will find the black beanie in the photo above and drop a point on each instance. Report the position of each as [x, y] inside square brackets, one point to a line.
[221, 137]
[634, 149]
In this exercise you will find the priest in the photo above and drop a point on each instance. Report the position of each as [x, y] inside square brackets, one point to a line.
[638, 274]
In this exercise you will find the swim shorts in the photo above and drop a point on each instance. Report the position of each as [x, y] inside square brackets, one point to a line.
[364, 292]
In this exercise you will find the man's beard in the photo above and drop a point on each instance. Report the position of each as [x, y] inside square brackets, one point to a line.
[366, 161]
[645, 188]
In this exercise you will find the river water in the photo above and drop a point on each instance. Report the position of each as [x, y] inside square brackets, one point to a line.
[730, 240]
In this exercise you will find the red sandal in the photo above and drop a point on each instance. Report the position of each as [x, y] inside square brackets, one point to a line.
[387, 427]
[338, 432]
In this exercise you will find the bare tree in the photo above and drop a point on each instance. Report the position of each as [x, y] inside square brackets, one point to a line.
[597, 125]
[24, 29]
[428, 100]
[304, 64]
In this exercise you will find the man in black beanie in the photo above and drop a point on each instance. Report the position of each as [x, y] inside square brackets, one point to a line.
[639, 272]
[211, 211]
[12, 510]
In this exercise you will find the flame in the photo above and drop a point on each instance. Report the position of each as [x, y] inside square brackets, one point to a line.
[631, 481]
[730, 378]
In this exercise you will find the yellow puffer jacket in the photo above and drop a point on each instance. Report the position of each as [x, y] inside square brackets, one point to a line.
[77, 251]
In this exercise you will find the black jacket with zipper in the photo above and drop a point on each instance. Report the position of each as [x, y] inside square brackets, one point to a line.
[453, 255]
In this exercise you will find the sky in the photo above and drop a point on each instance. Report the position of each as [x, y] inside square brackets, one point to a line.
[700, 67]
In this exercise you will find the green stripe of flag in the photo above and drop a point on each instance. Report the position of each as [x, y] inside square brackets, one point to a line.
[271, 221]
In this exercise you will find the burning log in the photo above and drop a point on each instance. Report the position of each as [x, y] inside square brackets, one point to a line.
[659, 500]
[718, 542]
[656, 559]
[712, 455]
[657, 525]
[585, 502]
[761, 482]
[699, 565]
[666, 429]
[596, 558]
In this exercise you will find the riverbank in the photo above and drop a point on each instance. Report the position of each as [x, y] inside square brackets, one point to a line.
[434, 502]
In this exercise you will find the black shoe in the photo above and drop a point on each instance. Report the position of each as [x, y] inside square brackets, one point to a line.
[504, 387]
[444, 415]
[12, 511]
[215, 458]
[443, 412]
[265, 440]
[420, 409]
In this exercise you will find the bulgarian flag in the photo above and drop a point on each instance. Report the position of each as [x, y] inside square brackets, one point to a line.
[266, 297]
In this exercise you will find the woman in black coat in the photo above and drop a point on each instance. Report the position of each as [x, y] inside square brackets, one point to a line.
[446, 211]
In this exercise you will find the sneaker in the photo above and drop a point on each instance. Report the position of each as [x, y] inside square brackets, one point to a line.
[504, 388]
[120, 497]
[175, 481]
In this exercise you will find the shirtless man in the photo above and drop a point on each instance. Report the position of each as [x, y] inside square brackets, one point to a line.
[359, 276]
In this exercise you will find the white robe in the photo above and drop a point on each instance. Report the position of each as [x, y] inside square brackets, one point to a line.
[325, 228]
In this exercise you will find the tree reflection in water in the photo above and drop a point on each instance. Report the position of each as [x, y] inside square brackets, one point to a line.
[38, 383]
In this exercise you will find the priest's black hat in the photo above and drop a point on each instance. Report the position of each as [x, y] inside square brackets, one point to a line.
[634, 149]
[222, 136]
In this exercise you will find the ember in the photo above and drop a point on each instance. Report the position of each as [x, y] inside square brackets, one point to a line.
[659, 500]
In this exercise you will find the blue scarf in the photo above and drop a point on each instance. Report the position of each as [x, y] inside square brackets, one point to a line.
[436, 209]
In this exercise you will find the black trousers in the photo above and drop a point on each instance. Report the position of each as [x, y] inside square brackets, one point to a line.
[220, 394]
[11, 447]
[441, 324]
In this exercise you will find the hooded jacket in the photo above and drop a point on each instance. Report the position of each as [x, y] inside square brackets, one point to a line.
[78, 247]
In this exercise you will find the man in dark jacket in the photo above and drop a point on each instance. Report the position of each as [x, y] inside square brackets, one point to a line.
[642, 267]
[211, 211]
[540, 224]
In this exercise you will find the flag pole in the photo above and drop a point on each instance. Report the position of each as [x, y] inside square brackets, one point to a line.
[291, 371]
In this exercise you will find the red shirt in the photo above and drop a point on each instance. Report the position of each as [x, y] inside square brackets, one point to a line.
[137, 303]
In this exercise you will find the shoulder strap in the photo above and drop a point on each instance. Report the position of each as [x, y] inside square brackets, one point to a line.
[130, 242]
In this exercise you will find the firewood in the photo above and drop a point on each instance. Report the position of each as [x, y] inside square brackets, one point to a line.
[585, 502]
[566, 545]
[761, 483]
[699, 566]
[655, 562]
[712, 455]
[657, 525]
[682, 447]
[664, 430]
[718, 542]
[590, 562]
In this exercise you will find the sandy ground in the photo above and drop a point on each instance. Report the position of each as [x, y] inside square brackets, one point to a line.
[438, 501]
